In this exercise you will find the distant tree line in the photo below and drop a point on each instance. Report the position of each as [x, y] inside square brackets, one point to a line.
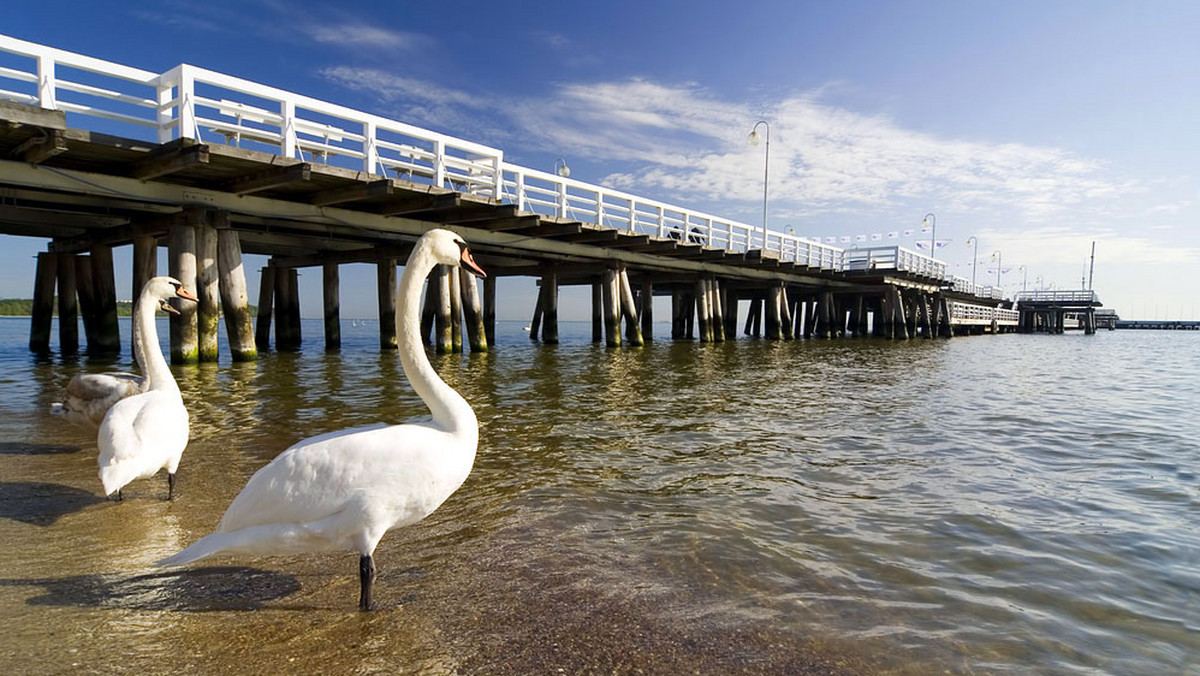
[23, 307]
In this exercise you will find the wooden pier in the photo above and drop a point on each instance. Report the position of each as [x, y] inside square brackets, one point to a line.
[315, 185]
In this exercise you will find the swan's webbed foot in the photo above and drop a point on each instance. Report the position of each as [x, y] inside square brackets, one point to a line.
[119, 497]
[170, 486]
[366, 575]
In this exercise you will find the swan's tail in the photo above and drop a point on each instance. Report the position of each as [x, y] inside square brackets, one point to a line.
[271, 538]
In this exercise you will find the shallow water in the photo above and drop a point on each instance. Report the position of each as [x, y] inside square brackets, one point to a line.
[1007, 505]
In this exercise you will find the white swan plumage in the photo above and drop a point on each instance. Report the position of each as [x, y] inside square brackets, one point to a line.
[344, 490]
[148, 431]
[88, 396]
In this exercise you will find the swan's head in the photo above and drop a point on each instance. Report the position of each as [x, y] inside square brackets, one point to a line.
[450, 249]
[165, 288]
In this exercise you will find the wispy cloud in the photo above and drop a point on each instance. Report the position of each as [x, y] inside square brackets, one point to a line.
[684, 141]
[359, 35]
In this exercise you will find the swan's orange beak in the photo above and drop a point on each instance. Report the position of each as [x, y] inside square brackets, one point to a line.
[166, 306]
[468, 262]
[184, 293]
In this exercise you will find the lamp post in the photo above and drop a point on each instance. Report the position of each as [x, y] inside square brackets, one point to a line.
[1024, 278]
[999, 264]
[752, 139]
[931, 221]
[974, 258]
[561, 168]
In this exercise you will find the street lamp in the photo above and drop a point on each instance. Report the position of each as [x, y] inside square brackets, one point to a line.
[974, 258]
[1024, 278]
[752, 139]
[931, 221]
[999, 264]
[561, 168]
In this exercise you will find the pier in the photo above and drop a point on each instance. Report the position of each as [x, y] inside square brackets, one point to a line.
[96, 155]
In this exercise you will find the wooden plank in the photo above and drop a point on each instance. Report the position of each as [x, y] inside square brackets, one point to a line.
[42, 147]
[19, 114]
[353, 193]
[270, 178]
[419, 203]
[169, 160]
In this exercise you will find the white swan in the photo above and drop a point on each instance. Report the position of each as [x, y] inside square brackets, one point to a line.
[344, 490]
[148, 431]
[89, 395]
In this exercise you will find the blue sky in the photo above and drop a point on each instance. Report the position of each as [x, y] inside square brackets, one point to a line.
[1036, 127]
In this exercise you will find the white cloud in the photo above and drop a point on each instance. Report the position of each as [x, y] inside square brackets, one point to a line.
[361, 35]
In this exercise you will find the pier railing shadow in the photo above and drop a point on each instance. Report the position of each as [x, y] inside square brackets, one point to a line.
[213, 588]
[42, 504]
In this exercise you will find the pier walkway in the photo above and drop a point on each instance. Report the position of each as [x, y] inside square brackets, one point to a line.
[95, 154]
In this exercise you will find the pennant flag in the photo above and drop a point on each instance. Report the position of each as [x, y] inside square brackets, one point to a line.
[845, 240]
[860, 238]
[926, 228]
[876, 237]
[893, 235]
[831, 240]
[908, 233]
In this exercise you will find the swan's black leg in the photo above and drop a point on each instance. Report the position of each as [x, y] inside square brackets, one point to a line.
[170, 486]
[366, 575]
[119, 496]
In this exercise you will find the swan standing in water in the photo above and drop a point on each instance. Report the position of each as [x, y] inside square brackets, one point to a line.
[344, 490]
[148, 431]
[89, 395]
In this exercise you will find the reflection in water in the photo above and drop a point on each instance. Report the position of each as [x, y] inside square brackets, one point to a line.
[852, 506]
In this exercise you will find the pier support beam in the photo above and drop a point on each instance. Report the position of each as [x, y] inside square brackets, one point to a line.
[443, 333]
[43, 302]
[287, 310]
[473, 313]
[266, 298]
[208, 290]
[107, 328]
[454, 286]
[68, 307]
[182, 264]
[385, 286]
[703, 311]
[331, 285]
[629, 310]
[598, 311]
[718, 310]
[235, 301]
[489, 309]
[646, 309]
[85, 290]
[612, 314]
[549, 303]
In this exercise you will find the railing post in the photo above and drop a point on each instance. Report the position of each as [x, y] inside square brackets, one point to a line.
[439, 163]
[46, 83]
[187, 109]
[370, 149]
[164, 117]
[288, 130]
[498, 177]
[600, 208]
[562, 199]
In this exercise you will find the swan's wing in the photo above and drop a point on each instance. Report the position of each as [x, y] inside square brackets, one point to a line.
[145, 423]
[318, 477]
[104, 385]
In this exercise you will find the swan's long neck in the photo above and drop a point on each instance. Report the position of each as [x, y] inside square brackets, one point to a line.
[450, 411]
[154, 365]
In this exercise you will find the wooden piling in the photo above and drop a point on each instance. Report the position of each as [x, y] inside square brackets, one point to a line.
[549, 298]
[785, 313]
[774, 331]
[633, 329]
[145, 266]
[68, 306]
[646, 309]
[266, 296]
[473, 314]
[597, 311]
[185, 346]
[489, 309]
[443, 333]
[85, 291]
[287, 310]
[385, 285]
[235, 301]
[107, 328]
[718, 310]
[612, 316]
[539, 304]
[208, 290]
[454, 286]
[703, 311]
[677, 314]
[41, 322]
[331, 286]
[429, 309]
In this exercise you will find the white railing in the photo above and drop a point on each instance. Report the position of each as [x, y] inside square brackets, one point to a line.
[894, 258]
[969, 313]
[1067, 297]
[195, 103]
